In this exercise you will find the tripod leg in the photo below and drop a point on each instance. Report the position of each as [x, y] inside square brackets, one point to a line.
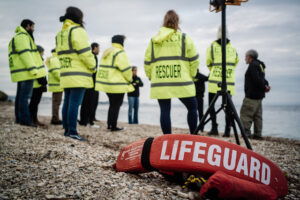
[202, 122]
[238, 121]
[235, 133]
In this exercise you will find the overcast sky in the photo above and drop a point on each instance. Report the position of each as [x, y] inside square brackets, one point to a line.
[270, 26]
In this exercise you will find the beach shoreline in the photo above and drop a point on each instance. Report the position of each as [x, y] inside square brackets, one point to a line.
[40, 163]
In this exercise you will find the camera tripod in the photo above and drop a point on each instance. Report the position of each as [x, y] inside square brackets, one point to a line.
[227, 104]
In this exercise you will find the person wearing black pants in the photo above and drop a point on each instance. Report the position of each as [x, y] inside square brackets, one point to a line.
[91, 97]
[165, 116]
[34, 103]
[228, 116]
[115, 102]
[200, 80]
[39, 86]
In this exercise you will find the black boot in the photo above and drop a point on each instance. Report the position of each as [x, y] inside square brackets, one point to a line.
[214, 130]
[227, 132]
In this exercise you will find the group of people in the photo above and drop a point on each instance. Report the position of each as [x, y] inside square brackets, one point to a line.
[171, 65]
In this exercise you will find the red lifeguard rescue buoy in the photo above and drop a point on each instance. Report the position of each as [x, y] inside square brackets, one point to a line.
[203, 156]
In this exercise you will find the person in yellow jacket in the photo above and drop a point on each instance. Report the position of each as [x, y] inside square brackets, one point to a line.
[26, 65]
[53, 65]
[77, 67]
[214, 64]
[39, 86]
[114, 77]
[171, 62]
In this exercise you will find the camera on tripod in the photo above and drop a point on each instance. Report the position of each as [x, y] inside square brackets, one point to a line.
[216, 5]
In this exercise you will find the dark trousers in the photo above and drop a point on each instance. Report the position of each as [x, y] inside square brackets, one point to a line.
[34, 102]
[200, 103]
[165, 114]
[213, 115]
[89, 106]
[73, 99]
[24, 92]
[115, 102]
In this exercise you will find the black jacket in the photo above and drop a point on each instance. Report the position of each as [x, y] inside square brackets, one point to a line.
[94, 74]
[139, 83]
[255, 82]
[200, 84]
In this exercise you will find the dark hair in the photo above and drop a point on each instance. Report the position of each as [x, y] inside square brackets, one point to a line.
[94, 45]
[133, 67]
[26, 22]
[53, 51]
[118, 39]
[171, 20]
[39, 48]
[74, 14]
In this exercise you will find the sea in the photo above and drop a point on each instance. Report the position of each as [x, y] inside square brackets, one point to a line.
[278, 120]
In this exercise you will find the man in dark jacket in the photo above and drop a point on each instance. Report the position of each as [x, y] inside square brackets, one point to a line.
[199, 81]
[91, 97]
[255, 88]
[133, 97]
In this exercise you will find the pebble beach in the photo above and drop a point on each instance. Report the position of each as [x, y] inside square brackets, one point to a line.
[41, 163]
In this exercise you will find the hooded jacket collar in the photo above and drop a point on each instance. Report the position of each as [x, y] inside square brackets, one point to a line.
[111, 49]
[20, 29]
[68, 23]
[164, 33]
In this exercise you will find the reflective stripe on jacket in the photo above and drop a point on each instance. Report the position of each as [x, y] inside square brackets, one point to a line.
[214, 64]
[114, 74]
[25, 62]
[171, 62]
[76, 59]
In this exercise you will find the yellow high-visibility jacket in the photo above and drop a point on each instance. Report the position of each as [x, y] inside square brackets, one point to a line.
[53, 65]
[214, 64]
[76, 59]
[114, 73]
[171, 62]
[25, 62]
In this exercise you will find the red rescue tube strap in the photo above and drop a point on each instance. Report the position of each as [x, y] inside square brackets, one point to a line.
[222, 185]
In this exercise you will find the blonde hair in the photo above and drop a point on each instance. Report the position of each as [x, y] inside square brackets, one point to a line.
[219, 35]
[171, 20]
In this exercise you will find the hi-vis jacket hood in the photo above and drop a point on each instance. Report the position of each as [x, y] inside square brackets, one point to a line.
[68, 23]
[164, 33]
[111, 49]
[20, 29]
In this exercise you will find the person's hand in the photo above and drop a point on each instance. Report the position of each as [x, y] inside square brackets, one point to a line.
[268, 88]
[133, 83]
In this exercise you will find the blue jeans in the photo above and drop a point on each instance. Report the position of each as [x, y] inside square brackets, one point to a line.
[165, 113]
[133, 103]
[73, 99]
[24, 92]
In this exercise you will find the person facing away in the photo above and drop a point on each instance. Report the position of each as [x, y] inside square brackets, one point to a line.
[133, 97]
[91, 97]
[171, 62]
[77, 67]
[26, 65]
[114, 77]
[214, 64]
[39, 86]
[53, 65]
[255, 88]
[200, 80]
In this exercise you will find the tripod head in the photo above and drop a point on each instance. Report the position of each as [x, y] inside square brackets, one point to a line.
[216, 5]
